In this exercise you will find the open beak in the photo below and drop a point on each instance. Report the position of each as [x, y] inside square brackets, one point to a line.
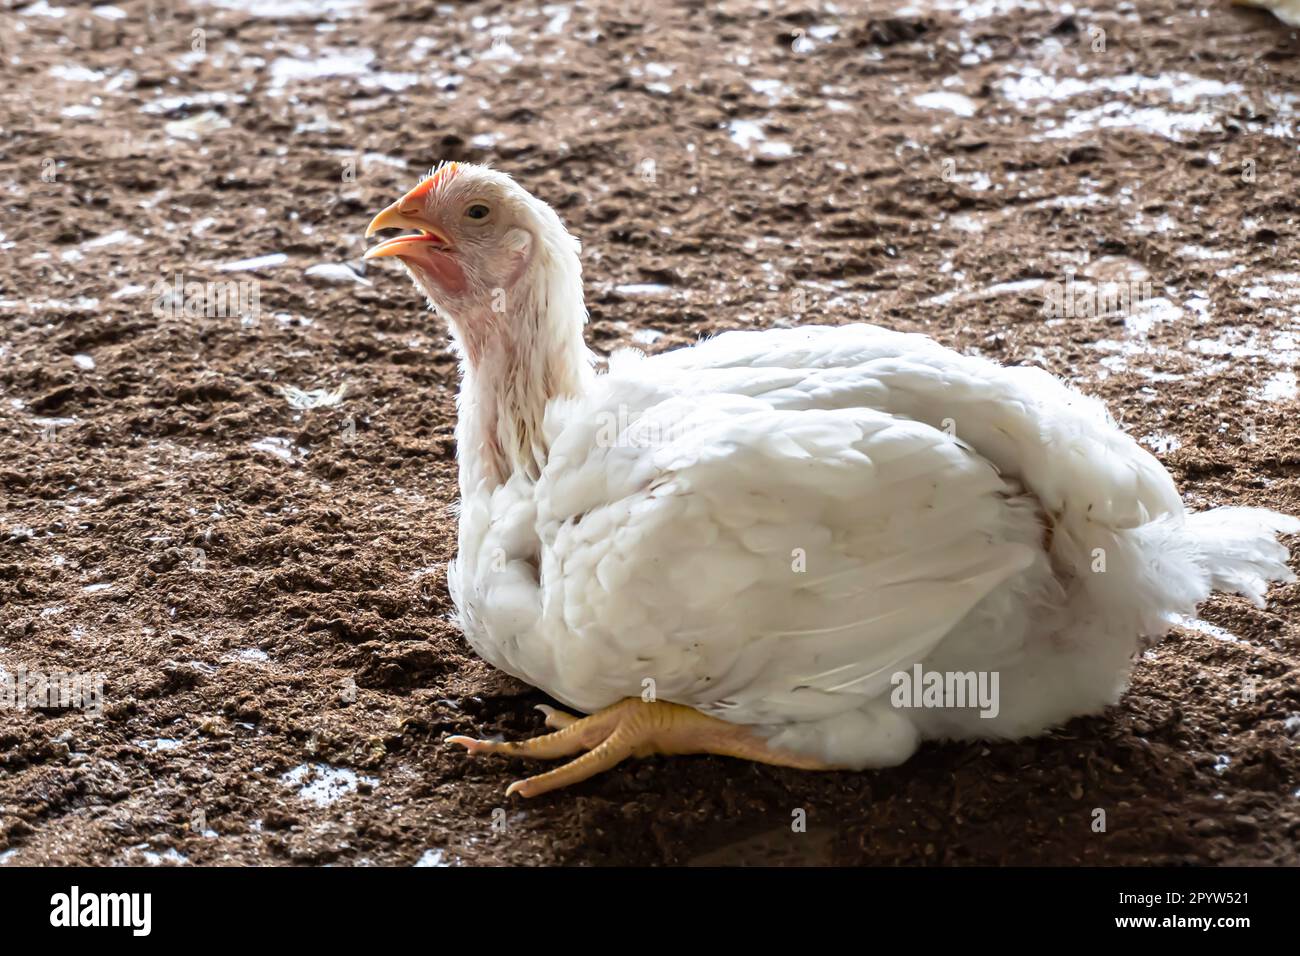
[406, 213]
[427, 252]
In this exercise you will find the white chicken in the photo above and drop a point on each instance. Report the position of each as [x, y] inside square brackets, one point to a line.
[745, 547]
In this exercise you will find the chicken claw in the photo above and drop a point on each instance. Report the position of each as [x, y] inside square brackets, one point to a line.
[557, 719]
[630, 728]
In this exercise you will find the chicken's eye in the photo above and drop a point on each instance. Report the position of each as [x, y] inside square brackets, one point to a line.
[478, 211]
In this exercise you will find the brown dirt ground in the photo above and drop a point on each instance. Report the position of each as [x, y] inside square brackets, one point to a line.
[324, 565]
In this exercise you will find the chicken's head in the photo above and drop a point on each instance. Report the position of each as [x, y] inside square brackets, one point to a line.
[478, 237]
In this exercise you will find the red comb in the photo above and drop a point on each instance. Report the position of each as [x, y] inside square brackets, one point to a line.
[440, 173]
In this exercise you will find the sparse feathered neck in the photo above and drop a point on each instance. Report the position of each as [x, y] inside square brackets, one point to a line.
[516, 358]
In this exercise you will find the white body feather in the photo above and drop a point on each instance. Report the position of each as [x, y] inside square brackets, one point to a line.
[771, 525]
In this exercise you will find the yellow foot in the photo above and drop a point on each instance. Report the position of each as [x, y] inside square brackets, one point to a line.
[630, 728]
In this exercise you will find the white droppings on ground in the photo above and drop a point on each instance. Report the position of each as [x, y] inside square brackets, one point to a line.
[41, 8]
[1205, 627]
[281, 448]
[383, 159]
[328, 64]
[287, 9]
[1013, 288]
[1144, 315]
[75, 74]
[1192, 251]
[169, 104]
[1128, 105]
[642, 289]
[194, 128]
[247, 655]
[947, 101]
[269, 261]
[1281, 348]
[751, 137]
[322, 784]
[977, 181]
[1279, 387]
[1001, 288]
[968, 10]
[775, 149]
[168, 857]
[82, 303]
[1032, 86]
[315, 398]
[1162, 443]
[81, 111]
[1156, 120]
[336, 273]
[118, 237]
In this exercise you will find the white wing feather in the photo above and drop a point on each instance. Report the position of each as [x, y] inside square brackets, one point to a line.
[676, 511]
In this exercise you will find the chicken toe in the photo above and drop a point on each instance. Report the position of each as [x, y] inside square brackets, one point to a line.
[631, 727]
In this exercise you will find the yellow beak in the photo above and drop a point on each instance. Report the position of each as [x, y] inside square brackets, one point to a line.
[406, 213]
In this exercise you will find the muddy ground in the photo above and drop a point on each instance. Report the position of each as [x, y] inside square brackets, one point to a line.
[262, 586]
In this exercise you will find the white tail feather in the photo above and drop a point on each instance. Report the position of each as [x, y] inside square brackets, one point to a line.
[1238, 548]
[1132, 582]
